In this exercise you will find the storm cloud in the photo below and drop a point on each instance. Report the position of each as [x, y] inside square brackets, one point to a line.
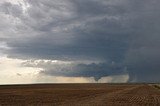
[117, 37]
[77, 69]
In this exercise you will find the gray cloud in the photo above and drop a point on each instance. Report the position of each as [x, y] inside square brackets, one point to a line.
[121, 31]
[56, 36]
[78, 69]
[11, 9]
[143, 56]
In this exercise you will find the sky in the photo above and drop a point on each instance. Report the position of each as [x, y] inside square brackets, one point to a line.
[79, 41]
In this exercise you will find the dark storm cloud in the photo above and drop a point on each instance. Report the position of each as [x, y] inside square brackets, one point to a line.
[88, 70]
[143, 56]
[76, 69]
[85, 34]
[121, 31]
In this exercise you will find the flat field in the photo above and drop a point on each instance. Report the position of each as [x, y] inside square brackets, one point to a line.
[79, 95]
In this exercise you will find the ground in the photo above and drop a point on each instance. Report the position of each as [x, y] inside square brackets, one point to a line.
[80, 95]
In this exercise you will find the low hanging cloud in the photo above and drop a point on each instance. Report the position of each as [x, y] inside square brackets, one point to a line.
[122, 32]
[76, 69]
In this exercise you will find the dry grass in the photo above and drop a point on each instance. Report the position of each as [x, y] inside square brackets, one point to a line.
[157, 86]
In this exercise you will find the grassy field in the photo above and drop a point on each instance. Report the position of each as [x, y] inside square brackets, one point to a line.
[79, 95]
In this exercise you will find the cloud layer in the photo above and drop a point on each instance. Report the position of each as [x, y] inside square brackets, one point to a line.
[117, 37]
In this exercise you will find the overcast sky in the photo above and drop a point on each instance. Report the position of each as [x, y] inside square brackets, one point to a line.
[79, 41]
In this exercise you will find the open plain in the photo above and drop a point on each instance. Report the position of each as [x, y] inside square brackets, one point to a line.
[79, 95]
